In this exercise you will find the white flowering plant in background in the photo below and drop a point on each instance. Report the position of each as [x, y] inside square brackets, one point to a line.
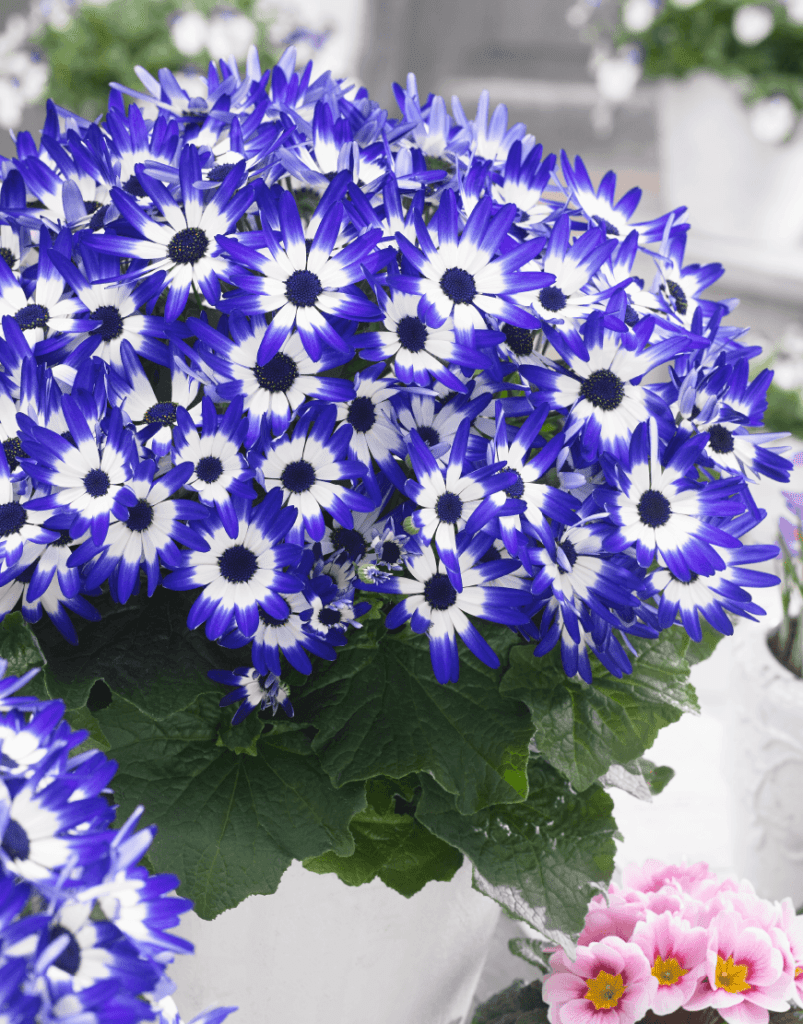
[758, 46]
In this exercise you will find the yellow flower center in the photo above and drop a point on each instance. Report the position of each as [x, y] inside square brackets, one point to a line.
[731, 976]
[605, 990]
[798, 971]
[668, 972]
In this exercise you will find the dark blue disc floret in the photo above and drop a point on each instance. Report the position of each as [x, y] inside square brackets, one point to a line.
[303, 288]
[352, 542]
[188, 246]
[448, 507]
[654, 509]
[439, 592]
[69, 959]
[429, 435]
[362, 414]
[720, 439]
[603, 389]
[516, 489]
[96, 483]
[552, 298]
[140, 516]
[14, 452]
[330, 617]
[12, 518]
[111, 323]
[570, 552]
[519, 340]
[269, 620]
[298, 476]
[412, 333]
[237, 564]
[458, 285]
[15, 840]
[31, 317]
[163, 413]
[391, 553]
[278, 375]
[208, 469]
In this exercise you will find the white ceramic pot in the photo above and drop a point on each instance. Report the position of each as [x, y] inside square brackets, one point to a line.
[735, 187]
[763, 762]
[318, 950]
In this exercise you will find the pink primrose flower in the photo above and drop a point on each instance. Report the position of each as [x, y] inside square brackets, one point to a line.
[620, 918]
[610, 982]
[747, 973]
[653, 874]
[677, 953]
[792, 925]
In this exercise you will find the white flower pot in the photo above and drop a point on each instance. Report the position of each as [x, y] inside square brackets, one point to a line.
[319, 950]
[735, 187]
[763, 761]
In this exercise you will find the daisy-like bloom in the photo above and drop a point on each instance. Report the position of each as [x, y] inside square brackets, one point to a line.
[435, 423]
[254, 690]
[461, 276]
[219, 470]
[662, 512]
[272, 389]
[680, 288]
[541, 500]
[301, 288]
[453, 501]
[149, 525]
[747, 973]
[490, 141]
[85, 474]
[524, 179]
[569, 294]
[306, 468]
[437, 608]
[18, 525]
[140, 405]
[420, 350]
[375, 434]
[240, 574]
[678, 954]
[600, 390]
[609, 981]
[182, 246]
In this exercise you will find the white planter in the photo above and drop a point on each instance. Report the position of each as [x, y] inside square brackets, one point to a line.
[318, 950]
[763, 761]
[734, 186]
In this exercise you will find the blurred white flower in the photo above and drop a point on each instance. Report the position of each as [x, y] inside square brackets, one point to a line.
[11, 104]
[752, 23]
[56, 13]
[617, 76]
[772, 119]
[230, 35]
[794, 11]
[638, 15]
[15, 33]
[190, 33]
[579, 14]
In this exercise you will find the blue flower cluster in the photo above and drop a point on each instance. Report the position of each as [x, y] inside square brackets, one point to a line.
[271, 345]
[84, 930]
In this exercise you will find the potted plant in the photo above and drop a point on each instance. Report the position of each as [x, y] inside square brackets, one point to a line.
[85, 931]
[354, 416]
[674, 941]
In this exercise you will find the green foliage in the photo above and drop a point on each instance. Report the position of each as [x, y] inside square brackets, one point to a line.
[391, 844]
[514, 1005]
[20, 649]
[103, 43]
[685, 39]
[784, 411]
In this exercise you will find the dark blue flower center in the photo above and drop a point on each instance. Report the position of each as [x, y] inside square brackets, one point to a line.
[631, 316]
[412, 332]
[362, 414]
[15, 840]
[329, 617]
[303, 287]
[552, 298]
[439, 592]
[98, 218]
[133, 187]
[352, 542]
[677, 293]
[69, 959]
[63, 539]
[12, 518]
[516, 489]
[269, 620]
[208, 469]
[278, 375]
[429, 435]
[111, 323]
[8, 257]
[720, 439]
[448, 507]
[14, 452]
[603, 389]
[606, 225]
[391, 552]
[692, 578]
[298, 476]
[519, 341]
[140, 516]
[163, 413]
[458, 285]
[237, 564]
[219, 173]
[654, 509]
[188, 246]
[569, 551]
[31, 317]
[96, 483]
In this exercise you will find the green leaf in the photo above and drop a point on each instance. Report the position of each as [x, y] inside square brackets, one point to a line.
[20, 649]
[641, 778]
[582, 729]
[697, 651]
[784, 411]
[543, 858]
[380, 711]
[243, 737]
[229, 825]
[393, 847]
[143, 651]
[82, 718]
